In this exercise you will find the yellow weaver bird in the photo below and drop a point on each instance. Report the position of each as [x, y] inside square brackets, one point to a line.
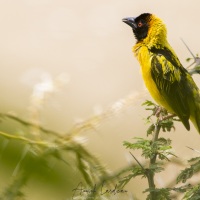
[168, 82]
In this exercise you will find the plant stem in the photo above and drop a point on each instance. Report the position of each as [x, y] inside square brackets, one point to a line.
[150, 173]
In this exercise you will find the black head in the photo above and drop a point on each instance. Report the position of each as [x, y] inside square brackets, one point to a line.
[140, 25]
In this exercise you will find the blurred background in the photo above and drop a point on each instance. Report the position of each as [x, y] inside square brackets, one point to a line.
[64, 62]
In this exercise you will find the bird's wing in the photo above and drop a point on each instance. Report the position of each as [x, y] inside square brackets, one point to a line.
[171, 80]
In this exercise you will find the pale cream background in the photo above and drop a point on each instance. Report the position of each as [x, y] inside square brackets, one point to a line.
[86, 44]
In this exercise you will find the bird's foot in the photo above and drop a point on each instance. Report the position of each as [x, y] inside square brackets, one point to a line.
[157, 111]
[160, 112]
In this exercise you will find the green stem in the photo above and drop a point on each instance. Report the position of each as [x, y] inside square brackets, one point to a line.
[150, 173]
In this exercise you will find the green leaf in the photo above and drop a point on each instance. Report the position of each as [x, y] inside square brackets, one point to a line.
[148, 103]
[185, 174]
[188, 59]
[136, 171]
[190, 171]
[161, 194]
[167, 125]
[151, 129]
[156, 168]
[197, 159]
[193, 193]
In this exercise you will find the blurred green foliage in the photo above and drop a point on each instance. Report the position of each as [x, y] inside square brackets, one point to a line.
[42, 166]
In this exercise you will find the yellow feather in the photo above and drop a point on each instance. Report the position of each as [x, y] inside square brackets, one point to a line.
[144, 57]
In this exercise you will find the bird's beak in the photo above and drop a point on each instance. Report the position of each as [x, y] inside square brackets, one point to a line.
[130, 21]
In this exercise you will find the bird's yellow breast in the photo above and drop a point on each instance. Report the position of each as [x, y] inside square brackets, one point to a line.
[144, 57]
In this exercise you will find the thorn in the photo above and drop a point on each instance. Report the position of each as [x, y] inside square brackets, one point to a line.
[196, 59]
[137, 161]
[191, 64]
[193, 149]
[188, 49]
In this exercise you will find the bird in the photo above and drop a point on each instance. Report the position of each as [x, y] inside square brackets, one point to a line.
[168, 82]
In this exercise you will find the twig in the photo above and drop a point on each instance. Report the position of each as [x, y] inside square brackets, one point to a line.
[24, 139]
[167, 117]
[25, 123]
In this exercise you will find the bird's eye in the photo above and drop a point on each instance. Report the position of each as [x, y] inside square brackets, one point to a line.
[140, 24]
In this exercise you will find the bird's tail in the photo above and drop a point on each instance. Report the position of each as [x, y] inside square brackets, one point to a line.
[195, 115]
